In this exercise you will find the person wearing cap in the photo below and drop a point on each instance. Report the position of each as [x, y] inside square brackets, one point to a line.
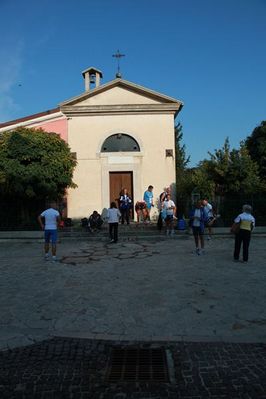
[247, 224]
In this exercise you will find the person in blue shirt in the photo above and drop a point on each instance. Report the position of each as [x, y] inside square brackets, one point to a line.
[148, 198]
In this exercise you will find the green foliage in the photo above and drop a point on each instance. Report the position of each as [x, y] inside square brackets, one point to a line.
[202, 184]
[184, 184]
[180, 150]
[229, 176]
[34, 164]
[228, 172]
[256, 145]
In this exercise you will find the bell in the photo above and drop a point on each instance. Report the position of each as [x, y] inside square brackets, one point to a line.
[92, 78]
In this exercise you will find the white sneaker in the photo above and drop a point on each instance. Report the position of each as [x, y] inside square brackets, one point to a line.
[198, 251]
[46, 257]
[54, 259]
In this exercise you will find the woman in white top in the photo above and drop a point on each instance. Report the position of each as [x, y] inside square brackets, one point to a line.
[247, 223]
[170, 208]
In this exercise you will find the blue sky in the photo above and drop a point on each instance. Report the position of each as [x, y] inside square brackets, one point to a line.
[209, 54]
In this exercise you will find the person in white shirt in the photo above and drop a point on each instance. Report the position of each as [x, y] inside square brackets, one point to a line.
[51, 218]
[113, 215]
[247, 224]
[170, 208]
[209, 215]
[162, 198]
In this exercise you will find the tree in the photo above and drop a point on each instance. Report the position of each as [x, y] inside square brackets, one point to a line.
[34, 165]
[231, 171]
[256, 145]
[184, 185]
[202, 183]
[180, 150]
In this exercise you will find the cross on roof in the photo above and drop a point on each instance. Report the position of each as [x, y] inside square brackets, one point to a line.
[118, 55]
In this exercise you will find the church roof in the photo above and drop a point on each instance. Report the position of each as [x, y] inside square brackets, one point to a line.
[124, 84]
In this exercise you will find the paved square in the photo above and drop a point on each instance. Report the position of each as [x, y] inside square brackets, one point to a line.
[60, 321]
[132, 290]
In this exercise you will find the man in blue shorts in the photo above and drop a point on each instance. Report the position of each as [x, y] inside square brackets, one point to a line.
[51, 219]
[148, 198]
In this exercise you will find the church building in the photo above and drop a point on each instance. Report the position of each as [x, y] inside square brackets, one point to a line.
[122, 136]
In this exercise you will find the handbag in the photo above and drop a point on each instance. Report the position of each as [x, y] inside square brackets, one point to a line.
[235, 227]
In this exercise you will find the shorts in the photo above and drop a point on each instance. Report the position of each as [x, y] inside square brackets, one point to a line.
[209, 220]
[140, 206]
[50, 235]
[169, 218]
[197, 231]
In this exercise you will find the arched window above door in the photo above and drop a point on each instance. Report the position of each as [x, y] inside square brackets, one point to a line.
[120, 142]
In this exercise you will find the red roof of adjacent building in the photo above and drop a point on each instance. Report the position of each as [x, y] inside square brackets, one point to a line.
[29, 117]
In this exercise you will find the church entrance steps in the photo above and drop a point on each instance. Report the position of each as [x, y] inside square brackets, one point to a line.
[125, 233]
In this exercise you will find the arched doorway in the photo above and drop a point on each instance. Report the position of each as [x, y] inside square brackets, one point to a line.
[123, 144]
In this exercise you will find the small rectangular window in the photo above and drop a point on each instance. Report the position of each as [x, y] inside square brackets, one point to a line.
[169, 153]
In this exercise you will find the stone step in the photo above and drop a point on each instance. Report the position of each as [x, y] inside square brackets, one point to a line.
[125, 233]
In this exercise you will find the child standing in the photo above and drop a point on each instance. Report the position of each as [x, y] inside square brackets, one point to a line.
[197, 220]
[113, 215]
[170, 208]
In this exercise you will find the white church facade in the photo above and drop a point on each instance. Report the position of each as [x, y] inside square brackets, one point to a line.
[122, 135]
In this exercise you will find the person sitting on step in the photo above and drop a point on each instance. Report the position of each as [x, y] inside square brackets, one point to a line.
[95, 221]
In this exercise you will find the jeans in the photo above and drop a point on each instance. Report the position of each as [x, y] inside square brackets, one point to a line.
[124, 215]
[113, 231]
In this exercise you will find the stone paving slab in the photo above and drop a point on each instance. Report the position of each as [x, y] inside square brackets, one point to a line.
[76, 369]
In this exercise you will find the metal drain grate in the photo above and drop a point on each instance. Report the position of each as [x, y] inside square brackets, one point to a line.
[136, 364]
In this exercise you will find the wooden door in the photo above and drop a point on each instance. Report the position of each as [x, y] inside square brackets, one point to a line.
[118, 181]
